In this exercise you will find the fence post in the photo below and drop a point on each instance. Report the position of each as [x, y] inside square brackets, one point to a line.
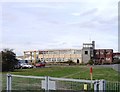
[47, 83]
[102, 85]
[96, 86]
[9, 77]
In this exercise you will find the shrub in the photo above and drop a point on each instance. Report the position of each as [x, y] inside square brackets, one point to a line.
[90, 62]
[70, 62]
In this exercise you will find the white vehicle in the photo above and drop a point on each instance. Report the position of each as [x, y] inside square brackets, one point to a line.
[26, 65]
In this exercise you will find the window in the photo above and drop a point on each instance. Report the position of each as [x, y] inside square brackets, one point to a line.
[49, 59]
[107, 59]
[86, 52]
[41, 59]
[97, 53]
[77, 52]
[107, 52]
[46, 59]
[65, 59]
[61, 52]
[56, 52]
[58, 59]
[53, 59]
[101, 53]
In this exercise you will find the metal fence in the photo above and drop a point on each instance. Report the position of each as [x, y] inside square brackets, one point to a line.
[27, 83]
[113, 86]
[19, 82]
[70, 84]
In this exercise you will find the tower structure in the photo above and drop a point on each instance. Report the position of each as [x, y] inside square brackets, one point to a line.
[88, 51]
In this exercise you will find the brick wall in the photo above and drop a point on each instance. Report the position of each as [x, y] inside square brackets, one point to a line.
[102, 56]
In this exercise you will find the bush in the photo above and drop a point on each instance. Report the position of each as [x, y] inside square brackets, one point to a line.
[90, 62]
[70, 62]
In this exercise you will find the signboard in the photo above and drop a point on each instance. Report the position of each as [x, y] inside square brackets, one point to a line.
[51, 85]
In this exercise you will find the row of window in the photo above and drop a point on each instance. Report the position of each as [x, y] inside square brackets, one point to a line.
[61, 52]
[86, 45]
[104, 58]
[103, 52]
[56, 59]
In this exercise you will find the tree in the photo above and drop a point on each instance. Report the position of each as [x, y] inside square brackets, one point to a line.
[8, 60]
[90, 62]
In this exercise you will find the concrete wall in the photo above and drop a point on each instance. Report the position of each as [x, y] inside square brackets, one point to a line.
[85, 57]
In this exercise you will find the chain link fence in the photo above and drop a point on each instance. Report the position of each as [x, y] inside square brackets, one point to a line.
[72, 84]
[30, 83]
[113, 86]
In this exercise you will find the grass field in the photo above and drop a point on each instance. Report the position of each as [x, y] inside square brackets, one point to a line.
[76, 72]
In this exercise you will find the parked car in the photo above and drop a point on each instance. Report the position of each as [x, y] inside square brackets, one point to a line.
[40, 64]
[17, 66]
[26, 65]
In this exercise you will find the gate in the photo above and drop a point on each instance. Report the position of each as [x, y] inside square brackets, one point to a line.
[27, 83]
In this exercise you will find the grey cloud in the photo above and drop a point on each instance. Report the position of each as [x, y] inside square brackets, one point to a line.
[40, 30]
[104, 20]
[97, 22]
[88, 12]
[85, 24]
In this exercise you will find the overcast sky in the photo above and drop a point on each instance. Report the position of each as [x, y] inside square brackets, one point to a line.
[59, 25]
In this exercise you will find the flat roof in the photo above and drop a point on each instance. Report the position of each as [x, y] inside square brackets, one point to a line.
[51, 50]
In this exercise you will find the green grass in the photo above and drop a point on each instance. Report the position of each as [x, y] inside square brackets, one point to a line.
[76, 72]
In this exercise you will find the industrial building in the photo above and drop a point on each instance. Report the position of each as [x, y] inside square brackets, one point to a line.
[88, 52]
[55, 55]
[102, 56]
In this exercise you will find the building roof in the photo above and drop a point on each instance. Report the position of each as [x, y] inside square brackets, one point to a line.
[52, 50]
